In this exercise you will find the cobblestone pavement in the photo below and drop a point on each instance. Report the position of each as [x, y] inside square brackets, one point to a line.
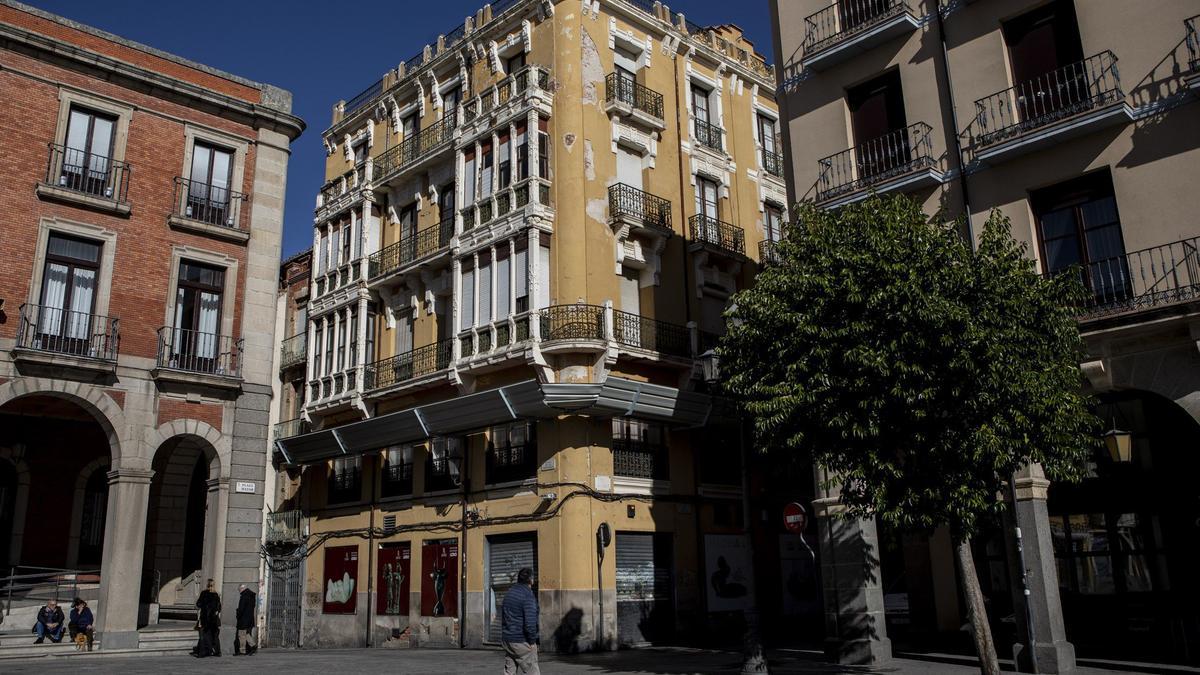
[442, 662]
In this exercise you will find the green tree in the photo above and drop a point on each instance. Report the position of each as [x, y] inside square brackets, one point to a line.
[921, 373]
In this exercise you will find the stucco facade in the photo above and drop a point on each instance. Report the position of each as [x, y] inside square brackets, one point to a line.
[528, 263]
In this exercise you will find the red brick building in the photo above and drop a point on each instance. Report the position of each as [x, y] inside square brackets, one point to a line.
[143, 212]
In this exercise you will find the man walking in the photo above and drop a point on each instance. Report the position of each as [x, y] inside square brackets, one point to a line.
[247, 604]
[519, 626]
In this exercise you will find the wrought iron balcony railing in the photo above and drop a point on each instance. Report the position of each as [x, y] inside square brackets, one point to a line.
[207, 203]
[639, 459]
[709, 135]
[879, 159]
[293, 351]
[411, 248]
[622, 89]
[642, 332]
[1192, 26]
[409, 365]
[87, 173]
[846, 18]
[1151, 277]
[626, 201]
[284, 526]
[1075, 88]
[289, 428]
[506, 200]
[199, 352]
[708, 230]
[768, 252]
[510, 87]
[419, 145]
[62, 331]
[572, 322]
[511, 463]
[772, 163]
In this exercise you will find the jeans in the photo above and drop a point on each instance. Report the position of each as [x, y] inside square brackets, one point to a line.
[54, 633]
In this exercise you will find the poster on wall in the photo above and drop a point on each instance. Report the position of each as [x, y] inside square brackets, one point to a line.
[439, 577]
[727, 571]
[392, 579]
[797, 568]
[341, 580]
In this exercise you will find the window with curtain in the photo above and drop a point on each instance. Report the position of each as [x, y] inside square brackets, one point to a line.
[68, 292]
[511, 452]
[444, 459]
[706, 198]
[543, 277]
[199, 294]
[345, 480]
[1078, 225]
[209, 189]
[87, 155]
[397, 471]
[450, 100]
[700, 103]
[639, 449]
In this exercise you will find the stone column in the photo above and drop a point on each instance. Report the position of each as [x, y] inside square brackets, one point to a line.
[855, 632]
[124, 540]
[1054, 654]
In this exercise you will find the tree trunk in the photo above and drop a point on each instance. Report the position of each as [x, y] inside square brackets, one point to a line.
[989, 664]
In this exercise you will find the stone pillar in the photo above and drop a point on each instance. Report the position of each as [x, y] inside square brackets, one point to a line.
[124, 539]
[1054, 653]
[855, 632]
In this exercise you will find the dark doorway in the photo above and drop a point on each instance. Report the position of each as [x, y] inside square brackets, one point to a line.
[1043, 40]
[8, 507]
[91, 524]
[878, 122]
[197, 508]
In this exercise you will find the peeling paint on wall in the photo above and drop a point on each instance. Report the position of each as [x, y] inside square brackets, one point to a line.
[589, 160]
[597, 210]
[593, 70]
[569, 141]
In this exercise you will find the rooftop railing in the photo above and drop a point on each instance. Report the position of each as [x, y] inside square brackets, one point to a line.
[409, 365]
[633, 330]
[88, 173]
[364, 97]
[1151, 277]
[1075, 88]
[210, 204]
[622, 89]
[411, 248]
[417, 146]
[199, 352]
[626, 201]
[846, 18]
[62, 331]
[708, 230]
[893, 154]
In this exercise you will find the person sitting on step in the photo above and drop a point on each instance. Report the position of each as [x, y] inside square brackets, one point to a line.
[49, 622]
[81, 622]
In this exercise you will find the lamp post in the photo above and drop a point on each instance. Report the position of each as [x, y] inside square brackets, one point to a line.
[755, 660]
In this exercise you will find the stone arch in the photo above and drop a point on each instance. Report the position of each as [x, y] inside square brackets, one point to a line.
[20, 504]
[81, 481]
[156, 440]
[98, 404]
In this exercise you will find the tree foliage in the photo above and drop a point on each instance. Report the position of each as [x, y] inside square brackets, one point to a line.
[920, 372]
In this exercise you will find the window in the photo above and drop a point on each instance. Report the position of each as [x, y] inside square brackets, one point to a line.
[450, 101]
[639, 449]
[543, 152]
[446, 203]
[503, 285]
[352, 356]
[1040, 43]
[397, 471]
[347, 241]
[511, 452]
[198, 298]
[442, 464]
[87, 155]
[626, 61]
[505, 162]
[328, 347]
[484, 280]
[773, 218]
[522, 153]
[626, 84]
[515, 63]
[1078, 224]
[323, 250]
[700, 104]
[209, 184]
[876, 114]
[706, 198]
[719, 451]
[766, 134]
[485, 171]
[1104, 553]
[341, 350]
[469, 176]
[69, 280]
[371, 322]
[318, 340]
[360, 153]
[521, 292]
[410, 125]
[408, 222]
[334, 249]
[467, 311]
[345, 480]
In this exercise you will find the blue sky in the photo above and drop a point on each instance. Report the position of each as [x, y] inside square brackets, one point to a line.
[290, 44]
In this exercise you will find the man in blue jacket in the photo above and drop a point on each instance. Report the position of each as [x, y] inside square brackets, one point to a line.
[519, 626]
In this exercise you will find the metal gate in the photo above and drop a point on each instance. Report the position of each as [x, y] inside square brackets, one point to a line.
[506, 555]
[645, 589]
[286, 577]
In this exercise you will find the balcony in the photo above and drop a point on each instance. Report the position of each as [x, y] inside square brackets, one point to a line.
[283, 527]
[1142, 280]
[568, 327]
[291, 428]
[652, 335]
[506, 200]
[81, 178]
[708, 232]
[850, 27]
[768, 253]
[639, 459]
[411, 249]
[410, 365]
[495, 336]
[640, 210]
[628, 98]
[772, 163]
[709, 135]
[192, 357]
[208, 209]
[498, 97]
[293, 351]
[901, 160]
[56, 337]
[415, 150]
[1192, 40]
[1074, 100]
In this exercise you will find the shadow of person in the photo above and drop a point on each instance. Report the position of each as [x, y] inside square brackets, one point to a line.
[569, 629]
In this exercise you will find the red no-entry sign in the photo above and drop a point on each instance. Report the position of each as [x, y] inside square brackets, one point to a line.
[795, 518]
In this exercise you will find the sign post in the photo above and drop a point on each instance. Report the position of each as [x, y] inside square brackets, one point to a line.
[795, 518]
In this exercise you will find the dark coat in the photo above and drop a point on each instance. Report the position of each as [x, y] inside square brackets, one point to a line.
[82, 619]
[48, 617]
[519, 615]
[247, 602]
[209, 604]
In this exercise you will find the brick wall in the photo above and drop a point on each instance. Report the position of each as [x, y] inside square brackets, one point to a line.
[170, 409]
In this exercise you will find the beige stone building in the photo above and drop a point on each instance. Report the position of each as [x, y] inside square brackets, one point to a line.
[1078, 120]
[529, 232]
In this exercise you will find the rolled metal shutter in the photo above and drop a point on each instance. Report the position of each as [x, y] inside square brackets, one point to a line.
[506, 556]
[645, 593]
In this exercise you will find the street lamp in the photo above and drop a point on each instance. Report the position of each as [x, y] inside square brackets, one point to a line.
[755, 657]
[1118, 441]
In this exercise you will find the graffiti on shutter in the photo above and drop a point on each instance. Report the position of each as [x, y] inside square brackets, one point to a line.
[645, 592]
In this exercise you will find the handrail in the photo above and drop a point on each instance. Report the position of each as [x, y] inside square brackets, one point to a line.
[363, 97]
[572, 322]
[773, 163]
[414, 147]
[651, 210]
[643, 332]
[62, 331]
[709, 135]
[1142, 279]
[412, 364]
[893, 154]
[1192, 25]
[709, 230]
[208, 203]
[199, 352]
[88, 173]
[846, 18]
[410, 249]
[1061, 93]
[293, 350]
[620, 88]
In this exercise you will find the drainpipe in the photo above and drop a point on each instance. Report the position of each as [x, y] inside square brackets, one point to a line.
[962, 169]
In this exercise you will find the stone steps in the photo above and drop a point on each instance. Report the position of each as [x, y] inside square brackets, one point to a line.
[176, 639]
